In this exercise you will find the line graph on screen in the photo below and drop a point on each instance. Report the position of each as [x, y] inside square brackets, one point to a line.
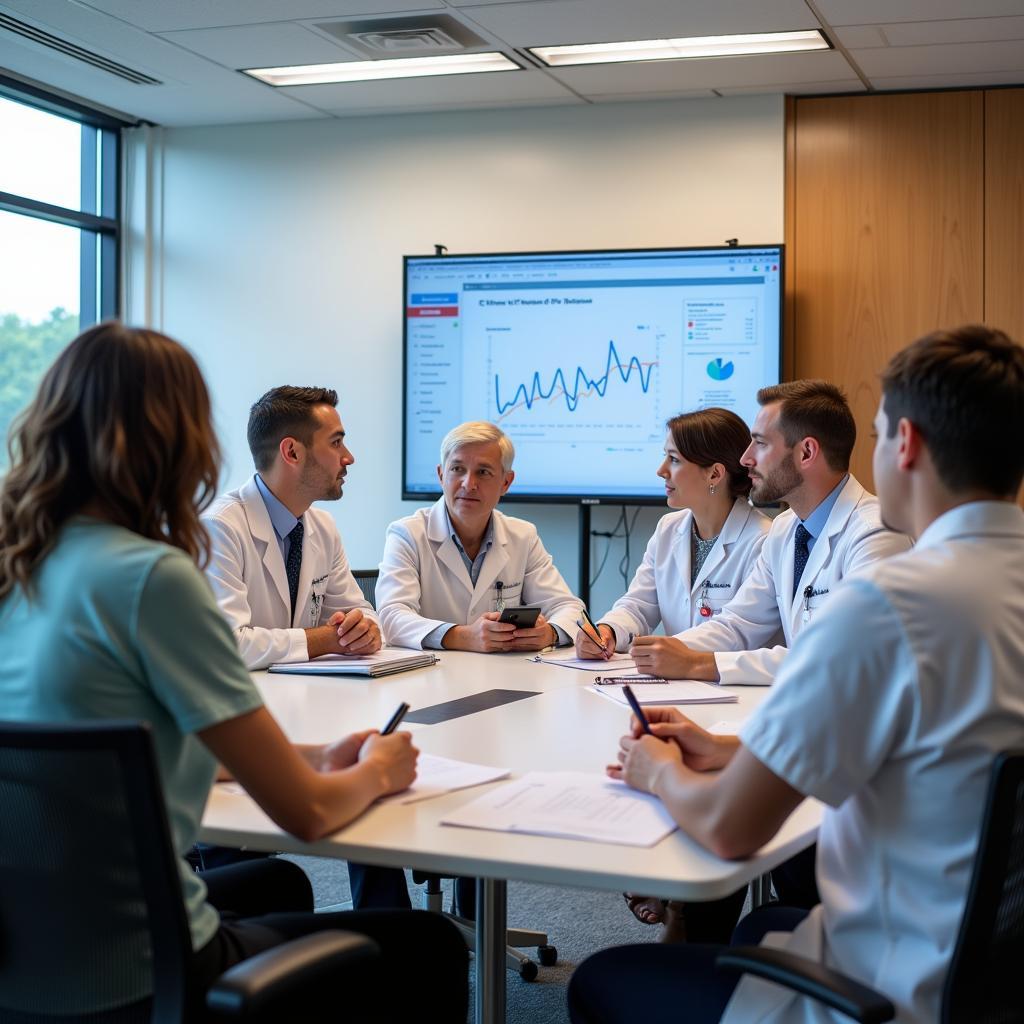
[527, 394]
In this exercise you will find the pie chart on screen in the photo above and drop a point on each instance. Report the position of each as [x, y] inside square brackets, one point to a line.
[718, 369]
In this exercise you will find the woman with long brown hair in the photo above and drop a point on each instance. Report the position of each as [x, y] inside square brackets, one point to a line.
[104, 614]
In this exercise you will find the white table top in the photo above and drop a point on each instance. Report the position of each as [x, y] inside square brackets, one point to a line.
[565, 727]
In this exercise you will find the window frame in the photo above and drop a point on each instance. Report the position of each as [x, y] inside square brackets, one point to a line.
[100, 233]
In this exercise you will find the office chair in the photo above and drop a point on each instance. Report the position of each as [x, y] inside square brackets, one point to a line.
[367, 580]
[983, 983]
[85, 831]
[514, 937]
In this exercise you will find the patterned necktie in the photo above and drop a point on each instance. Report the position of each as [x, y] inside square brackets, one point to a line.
[293, 563]
[800, 554]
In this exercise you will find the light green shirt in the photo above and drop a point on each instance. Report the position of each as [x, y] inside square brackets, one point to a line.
[122, 627]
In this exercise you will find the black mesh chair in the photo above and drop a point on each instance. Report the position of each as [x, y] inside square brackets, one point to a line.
[367, 580]
[88, 872]
[982, 986]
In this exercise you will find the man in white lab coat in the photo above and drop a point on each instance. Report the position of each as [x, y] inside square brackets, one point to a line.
[277, 566]
[890, 710]
[448, 570]
[799, 453]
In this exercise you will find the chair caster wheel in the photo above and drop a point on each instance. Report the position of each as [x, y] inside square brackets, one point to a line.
[528, 970]
[548, 956]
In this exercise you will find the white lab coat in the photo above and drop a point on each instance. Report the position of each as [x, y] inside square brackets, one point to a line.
[247, 574]
[890, 710]
[424, 582]
[661, 591]
[853, 538]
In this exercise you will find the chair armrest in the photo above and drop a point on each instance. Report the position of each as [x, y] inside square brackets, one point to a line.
[812, 979]
[252, 984]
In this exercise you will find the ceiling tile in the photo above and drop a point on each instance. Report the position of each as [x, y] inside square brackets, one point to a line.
[930, 33]
[963, 58]
[779, 70]
[883, 12]
[232, 100]
[949, 81]
[168, 16]
[799, 88]
[860, 37]
[553, 22]
[508, 88]
[258, 46]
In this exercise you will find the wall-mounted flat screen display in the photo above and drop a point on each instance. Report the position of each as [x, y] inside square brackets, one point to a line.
[581, 357]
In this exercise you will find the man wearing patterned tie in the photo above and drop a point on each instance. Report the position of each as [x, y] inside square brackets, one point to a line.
[799, 453]
[277, 566]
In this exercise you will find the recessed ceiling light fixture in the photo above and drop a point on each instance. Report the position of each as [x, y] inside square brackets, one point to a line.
[683, 48]
[372, 70]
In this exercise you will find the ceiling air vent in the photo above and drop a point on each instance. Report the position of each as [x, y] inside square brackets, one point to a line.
[405, 40]
[52, 42]
[419, 36]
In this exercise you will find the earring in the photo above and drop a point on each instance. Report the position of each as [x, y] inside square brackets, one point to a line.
[712, 488]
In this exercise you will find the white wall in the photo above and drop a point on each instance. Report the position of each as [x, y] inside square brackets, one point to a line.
[274, 251]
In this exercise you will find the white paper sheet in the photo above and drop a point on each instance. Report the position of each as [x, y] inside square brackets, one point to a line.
[569, 805]
[620, 662]
[679, 691]
[436, 776]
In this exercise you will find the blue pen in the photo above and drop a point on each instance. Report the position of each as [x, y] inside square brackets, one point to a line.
[637, 710]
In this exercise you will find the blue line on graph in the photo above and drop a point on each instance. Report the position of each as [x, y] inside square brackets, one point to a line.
[600, 385]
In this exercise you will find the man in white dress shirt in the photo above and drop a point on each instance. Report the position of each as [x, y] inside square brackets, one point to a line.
[277, 566]
[799, 453]
[890, 710]
[448, 570]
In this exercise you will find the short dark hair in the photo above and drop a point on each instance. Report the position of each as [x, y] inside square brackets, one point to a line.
[964, 390]
[284, 412]
[707, 436]
[818, 409]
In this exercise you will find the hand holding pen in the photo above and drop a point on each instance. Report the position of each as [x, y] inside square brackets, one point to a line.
[642, 759]
[594, 641]
[392, 754]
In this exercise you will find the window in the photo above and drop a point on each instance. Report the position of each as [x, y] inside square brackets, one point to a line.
[58, 235]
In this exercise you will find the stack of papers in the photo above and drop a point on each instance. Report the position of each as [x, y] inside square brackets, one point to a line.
[383, 663]
[569, 805]
[678, 691]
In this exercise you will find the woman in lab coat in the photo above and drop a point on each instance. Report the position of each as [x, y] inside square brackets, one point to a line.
[698, 556]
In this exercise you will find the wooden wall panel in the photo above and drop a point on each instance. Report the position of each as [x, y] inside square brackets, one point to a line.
[1004, 211]
[887, 233]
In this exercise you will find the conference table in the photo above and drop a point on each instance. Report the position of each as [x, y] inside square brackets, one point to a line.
[561, 726]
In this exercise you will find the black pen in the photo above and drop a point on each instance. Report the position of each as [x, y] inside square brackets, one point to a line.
[395, 720]
[596, 637]
[637, 710]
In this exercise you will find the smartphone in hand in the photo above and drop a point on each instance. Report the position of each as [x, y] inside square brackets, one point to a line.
[525, 616]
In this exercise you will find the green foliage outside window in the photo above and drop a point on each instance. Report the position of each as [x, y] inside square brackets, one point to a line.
[26, 350]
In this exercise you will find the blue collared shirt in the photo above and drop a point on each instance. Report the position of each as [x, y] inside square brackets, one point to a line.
[815, 522]
[280, 518]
